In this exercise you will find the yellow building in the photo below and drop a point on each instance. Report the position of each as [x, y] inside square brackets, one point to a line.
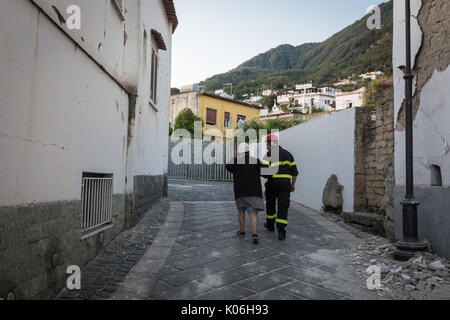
[218, 113]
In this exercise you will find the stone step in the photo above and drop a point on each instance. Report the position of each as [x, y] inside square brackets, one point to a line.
[363, 218]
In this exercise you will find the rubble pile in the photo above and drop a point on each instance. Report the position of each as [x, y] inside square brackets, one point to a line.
[423, 277]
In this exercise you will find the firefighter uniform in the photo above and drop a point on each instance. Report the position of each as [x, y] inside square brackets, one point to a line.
[278, 186]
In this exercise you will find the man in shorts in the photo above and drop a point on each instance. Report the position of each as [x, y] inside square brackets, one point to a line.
[247, 188]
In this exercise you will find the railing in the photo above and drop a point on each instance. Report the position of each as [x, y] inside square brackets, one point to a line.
[97, 194]
[202, 172]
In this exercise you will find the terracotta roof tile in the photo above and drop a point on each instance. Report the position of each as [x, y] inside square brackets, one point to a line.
[159, 40]
[171, 13]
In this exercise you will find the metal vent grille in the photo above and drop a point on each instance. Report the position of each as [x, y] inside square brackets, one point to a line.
[96, 196]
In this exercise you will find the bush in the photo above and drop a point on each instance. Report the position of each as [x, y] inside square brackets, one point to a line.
[186, 120]
[316, 110]
[272, 124]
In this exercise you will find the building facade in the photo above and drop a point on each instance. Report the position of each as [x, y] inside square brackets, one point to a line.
[430, 30]
[306, 96]
[83, 131]
[371, 75]
[345, 100]
[220, 114]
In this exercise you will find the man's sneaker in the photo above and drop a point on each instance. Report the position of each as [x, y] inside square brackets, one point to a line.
[281, 235]
[240, 234]
[255, 239]
[269, 227]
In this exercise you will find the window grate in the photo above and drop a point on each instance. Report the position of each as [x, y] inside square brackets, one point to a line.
[96, 196]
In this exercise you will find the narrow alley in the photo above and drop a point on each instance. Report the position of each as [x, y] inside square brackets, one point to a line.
[195, 254]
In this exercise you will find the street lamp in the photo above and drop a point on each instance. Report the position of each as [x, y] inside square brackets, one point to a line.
[410, 242]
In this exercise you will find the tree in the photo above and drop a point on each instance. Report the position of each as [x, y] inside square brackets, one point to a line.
[285, 108]
[268, 101]
[186, 120]
[316, 110]
[280, 124]
[272, 124]
[370, 96]
[255, 125]
[174, 91]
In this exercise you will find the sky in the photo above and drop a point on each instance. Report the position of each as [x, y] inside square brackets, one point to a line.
[215, 36]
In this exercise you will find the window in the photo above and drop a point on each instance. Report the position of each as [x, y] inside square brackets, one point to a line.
[96, 199]
[241, 117]
[118, 5]
[227, 120]
[154, 73]
[436, 176]
[211, 117]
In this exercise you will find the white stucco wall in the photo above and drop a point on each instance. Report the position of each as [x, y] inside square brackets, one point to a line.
[431, 129]
[148, 151]
[65, 111]
[345, 98]
[54, 124]
[323, 147]
[101, 33]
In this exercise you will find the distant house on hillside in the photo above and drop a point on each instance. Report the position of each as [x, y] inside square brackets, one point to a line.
[371, 75]
[268, 92]
[344, 82]
[307, 96]
[345, 100]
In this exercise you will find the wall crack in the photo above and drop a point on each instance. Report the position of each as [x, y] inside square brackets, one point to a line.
[34, 141]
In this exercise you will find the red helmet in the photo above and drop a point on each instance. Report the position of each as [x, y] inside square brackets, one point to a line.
[271, 138]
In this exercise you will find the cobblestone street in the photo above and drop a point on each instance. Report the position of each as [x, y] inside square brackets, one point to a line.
[194, 254]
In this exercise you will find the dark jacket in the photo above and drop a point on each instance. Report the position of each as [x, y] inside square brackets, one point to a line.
[284, 167]
[247, 179]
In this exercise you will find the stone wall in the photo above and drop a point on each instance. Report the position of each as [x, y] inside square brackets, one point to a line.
[430, 25]
[374, 152]
[363, 126]
[39, 242]
[146, 191]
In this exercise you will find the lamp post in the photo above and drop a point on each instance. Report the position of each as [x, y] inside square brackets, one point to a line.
[410, 242]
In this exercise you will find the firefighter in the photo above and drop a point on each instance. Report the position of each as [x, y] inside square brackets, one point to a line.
[282, 176]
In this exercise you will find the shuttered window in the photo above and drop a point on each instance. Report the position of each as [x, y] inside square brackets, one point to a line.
[227, 120]
[154, 76]
[211, 117]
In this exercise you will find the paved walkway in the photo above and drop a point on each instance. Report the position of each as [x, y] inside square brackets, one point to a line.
[183, 190]
[185, 248]
[102, 276]
[196, 255]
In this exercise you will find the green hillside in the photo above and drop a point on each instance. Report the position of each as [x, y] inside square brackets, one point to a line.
[352, 51]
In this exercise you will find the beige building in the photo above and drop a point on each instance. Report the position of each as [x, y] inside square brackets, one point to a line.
[84, 131]
[220, 114]
[345, 100]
